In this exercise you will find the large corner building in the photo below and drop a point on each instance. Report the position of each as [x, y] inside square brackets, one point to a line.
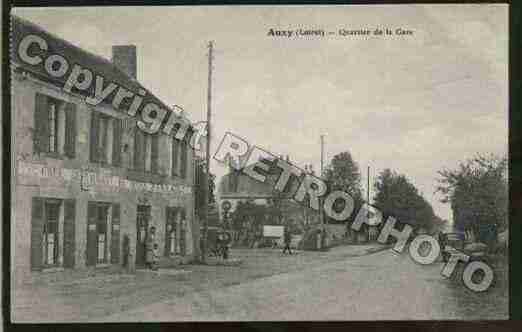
[87, 184]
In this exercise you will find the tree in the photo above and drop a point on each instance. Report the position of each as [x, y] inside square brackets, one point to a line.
[343, 174]
[250, 211]
[396, 196]
[478, 193]
[248, 220]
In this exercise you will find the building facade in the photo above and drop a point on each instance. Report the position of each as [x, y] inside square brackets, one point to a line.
[235, 187]
[87, 183]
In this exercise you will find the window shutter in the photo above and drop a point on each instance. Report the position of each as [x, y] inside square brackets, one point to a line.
[167, 232]
[115, 235]
[41, 124]
[68, 232]
[70, 130]
[139, 150]
[37, 224]
[101, 151]
[143, 149]
[93, 144]
[92, 217]
[175, 156]
[154, 146]
[183, 160]
[183, 225]
[116, 145]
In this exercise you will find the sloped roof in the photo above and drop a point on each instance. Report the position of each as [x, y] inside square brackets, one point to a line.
[250, 187]
[20, 28]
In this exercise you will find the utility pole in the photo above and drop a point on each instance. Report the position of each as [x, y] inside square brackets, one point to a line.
[321, 200]
[322, 175]
[368, 188]
[368, 200]
[207, 156]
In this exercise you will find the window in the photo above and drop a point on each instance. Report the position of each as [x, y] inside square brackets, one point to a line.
[54, 126]
[103, 237]
[178, 154]
[174, 155]
[105, 140]
[183, 159]
[101, 233]
[175, 231]
[182, 232]
[52, 233]
[143, 219]
[146, 152]
[170, 234]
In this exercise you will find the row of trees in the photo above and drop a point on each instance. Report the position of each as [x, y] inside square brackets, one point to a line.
[395, 194]
[476, 190]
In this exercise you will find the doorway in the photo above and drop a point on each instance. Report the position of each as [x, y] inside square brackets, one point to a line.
[142, 229]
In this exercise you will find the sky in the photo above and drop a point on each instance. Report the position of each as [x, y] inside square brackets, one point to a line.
[412, 103]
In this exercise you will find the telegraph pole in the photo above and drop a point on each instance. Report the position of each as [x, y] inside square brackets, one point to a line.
[368, 187]
[368, 201]
[207, 156]
[322, 154]
[322, 175]
[321, 200]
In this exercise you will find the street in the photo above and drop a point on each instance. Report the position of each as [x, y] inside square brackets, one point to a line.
[345, 283]
[382, 286]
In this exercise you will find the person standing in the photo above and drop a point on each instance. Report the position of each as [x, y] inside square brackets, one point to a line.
[155, 257]
[226, 240]
[287, 239]
[149, 247]
[219, 244]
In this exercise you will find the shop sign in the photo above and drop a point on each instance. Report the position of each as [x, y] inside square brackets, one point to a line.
[89, 180]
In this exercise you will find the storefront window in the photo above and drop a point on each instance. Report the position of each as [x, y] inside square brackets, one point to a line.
[171, 231]
[101, 226]
[50, 233]
[100, 239]
[172, 238]
[175, 231]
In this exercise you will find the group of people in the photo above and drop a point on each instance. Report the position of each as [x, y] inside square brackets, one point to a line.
[223, 241]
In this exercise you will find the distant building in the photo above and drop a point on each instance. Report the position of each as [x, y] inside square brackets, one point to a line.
[236, 187]
[87, 183]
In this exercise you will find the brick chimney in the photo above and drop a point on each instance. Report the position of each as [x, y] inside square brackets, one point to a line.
[124, 57]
